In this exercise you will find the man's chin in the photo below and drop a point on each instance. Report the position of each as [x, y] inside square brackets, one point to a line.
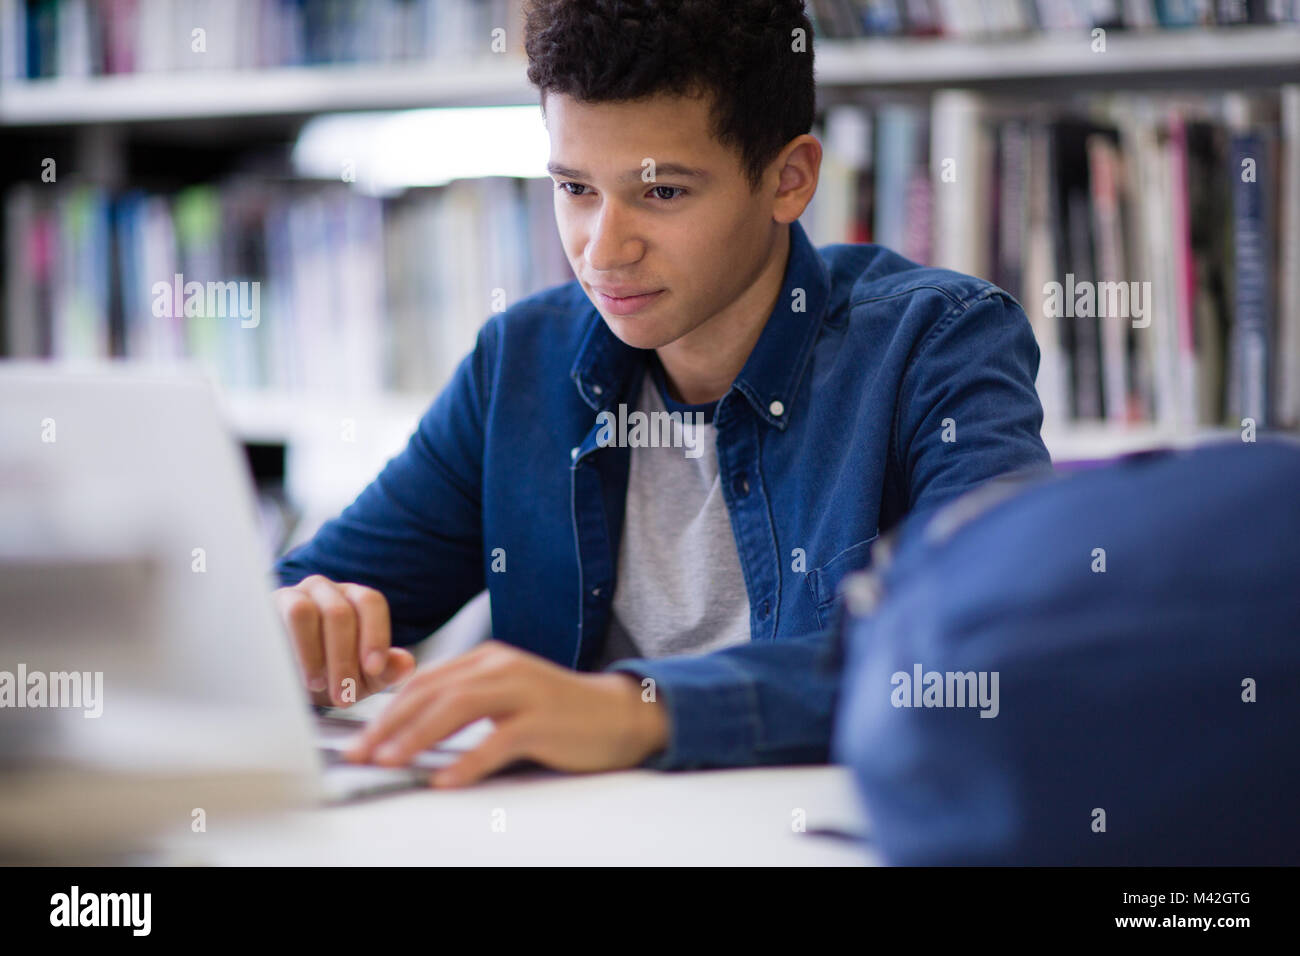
[638, 333]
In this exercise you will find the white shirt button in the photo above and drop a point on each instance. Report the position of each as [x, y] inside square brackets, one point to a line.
[777, 409]
[596, 390]
[573, 453]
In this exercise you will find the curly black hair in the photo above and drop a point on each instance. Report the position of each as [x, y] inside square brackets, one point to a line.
[745, 53]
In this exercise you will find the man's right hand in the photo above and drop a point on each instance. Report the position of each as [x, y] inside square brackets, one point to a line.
[342, 632]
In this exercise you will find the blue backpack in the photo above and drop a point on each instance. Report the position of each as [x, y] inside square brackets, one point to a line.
[1099, 669]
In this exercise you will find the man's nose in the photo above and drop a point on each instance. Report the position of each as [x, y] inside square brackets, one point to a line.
[614, 240]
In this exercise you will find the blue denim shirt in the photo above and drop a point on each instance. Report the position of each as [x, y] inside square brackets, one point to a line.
[877, 388]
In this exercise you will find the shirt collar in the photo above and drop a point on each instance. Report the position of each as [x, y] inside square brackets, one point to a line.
[770, 377]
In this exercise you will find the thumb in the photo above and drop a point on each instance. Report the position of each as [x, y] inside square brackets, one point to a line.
[399, 666]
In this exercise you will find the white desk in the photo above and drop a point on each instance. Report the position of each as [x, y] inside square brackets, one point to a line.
[635, 817]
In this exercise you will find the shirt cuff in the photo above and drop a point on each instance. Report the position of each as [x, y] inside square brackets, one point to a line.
[713, 714]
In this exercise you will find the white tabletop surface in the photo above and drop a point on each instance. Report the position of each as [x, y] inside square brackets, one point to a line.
[634, 817]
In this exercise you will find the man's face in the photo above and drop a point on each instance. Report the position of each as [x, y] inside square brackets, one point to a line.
[658, 258]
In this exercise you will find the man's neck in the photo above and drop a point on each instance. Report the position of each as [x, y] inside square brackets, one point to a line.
[701, 365]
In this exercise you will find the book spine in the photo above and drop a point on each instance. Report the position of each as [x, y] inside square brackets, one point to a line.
[1252, 297]
[13, 40]
[1184, 270]
[1039, 271]
[1103, 174]
[1288, 313]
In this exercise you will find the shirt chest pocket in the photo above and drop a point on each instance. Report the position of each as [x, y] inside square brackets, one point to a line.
[824, 581]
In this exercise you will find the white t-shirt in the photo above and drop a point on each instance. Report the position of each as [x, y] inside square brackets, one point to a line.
[680, 589]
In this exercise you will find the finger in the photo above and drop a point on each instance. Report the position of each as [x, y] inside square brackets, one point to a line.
[414, 697]
[443, 716]
[339, 634]
[503, 746]
[406, 703]
[399, 664]
[302, 617]
[375, 634]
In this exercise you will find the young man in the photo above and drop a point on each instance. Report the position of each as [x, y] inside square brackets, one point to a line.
[665, 606]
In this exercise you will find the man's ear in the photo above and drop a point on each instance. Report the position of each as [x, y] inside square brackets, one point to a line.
[798, 165]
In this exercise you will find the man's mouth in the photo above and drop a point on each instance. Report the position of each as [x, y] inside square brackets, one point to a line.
[628, 303]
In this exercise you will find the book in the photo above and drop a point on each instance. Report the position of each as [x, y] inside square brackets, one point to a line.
[1252, 201]
[1104, 173]
[1288, 308]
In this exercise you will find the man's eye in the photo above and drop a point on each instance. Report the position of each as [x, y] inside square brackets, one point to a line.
[573, 188]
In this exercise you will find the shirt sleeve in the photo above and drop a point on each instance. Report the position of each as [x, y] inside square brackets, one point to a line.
[967, 408]
[415, 532]
[740, 706]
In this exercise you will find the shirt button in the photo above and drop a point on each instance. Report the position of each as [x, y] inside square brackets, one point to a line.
[596, 390]
[741, 485]
[573, 453]
[595, 592]
[777, 409]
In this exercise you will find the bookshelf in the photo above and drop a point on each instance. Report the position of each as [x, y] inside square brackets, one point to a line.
[288, 92]
[279, 416]
[954, 80]
[1177, 59]
[333, 445]
[1098, 442]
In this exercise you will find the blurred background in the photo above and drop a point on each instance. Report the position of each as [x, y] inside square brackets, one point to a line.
[377, 167]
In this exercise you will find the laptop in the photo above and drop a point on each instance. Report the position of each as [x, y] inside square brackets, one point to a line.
[146, 681]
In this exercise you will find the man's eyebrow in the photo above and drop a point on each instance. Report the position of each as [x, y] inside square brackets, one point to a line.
[677, 170]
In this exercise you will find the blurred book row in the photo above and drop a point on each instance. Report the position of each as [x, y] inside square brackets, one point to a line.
[284, 285]
[848, 19]
[1153, 242]
[77, 38]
